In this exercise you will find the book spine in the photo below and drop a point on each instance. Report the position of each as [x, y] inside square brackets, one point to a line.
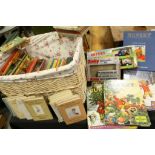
[8, 63]
[32, 65]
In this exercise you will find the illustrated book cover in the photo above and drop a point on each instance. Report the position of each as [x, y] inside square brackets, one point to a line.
[147, 84]
[124, 103]
[139, 39]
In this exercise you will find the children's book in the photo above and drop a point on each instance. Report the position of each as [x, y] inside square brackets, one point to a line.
[141, 39]
[39, 65]
[95, 106]
[124, 103]
[12, 44]
[147, 84]
[23, 65]
[31, 65]
[9, 61]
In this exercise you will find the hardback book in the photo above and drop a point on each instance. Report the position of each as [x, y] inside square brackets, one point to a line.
[124, 103]
[54, 65]
[147, 84]
[59, 97]
[72, 109]
[23, 65]
[49, 63]
[39, 65]
[12, 44]
[142, 38]
[17, 63]
[13, 57]
[38, 108]
[95, 106]
[31, 65]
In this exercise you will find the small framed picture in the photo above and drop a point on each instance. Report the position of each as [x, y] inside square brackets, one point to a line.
[38, 108]
[72, 111]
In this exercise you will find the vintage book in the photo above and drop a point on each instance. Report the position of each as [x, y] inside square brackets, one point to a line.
[31, 65]
[124, 103]
[95, 106]
[12, 44]
[17, 63]
[9, 61]
[55, 61]
[59, 97]
[39, 65]
[72, 110]
[49, 64]
[23, 65]
[142, 38]
[147, 84]
[10, 102]
[38, 108]
[63, 62]
[102, 68]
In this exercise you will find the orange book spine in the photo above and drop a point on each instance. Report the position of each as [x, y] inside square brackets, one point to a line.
[31, 65]
[9, 61]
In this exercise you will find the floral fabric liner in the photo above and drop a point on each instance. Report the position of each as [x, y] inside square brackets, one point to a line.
[50, 45]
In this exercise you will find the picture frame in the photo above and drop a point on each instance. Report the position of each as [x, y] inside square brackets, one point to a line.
[38, 108]
[72, 111]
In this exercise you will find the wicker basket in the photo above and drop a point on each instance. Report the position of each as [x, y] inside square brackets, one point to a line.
[71, 76]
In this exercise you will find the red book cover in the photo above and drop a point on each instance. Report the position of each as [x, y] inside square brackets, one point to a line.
[31, 65]
[9, 61]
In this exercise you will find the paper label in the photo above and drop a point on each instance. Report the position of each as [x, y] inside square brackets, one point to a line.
[142, 119]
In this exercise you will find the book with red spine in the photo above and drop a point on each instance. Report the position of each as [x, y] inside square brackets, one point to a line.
[9, 61]
[31, 65]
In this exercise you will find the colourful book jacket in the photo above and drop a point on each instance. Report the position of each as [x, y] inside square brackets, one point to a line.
[124, 105]
[8, 62]
[31, 65]
[147, 84]
[23, 65]
[95, 106]
[141, 38]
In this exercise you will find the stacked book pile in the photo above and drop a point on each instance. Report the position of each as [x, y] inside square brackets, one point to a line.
[20, 62]
[29, 108]
[68, 107]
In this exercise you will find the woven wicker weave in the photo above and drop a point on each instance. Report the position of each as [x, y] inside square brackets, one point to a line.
[75, 82]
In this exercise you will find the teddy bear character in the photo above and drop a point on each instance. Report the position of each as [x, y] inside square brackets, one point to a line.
[145, 86]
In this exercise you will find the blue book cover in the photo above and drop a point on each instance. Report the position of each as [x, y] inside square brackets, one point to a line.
[146, 57]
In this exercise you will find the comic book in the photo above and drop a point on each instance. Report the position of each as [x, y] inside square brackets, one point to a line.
[147, 84]
[124, 105]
